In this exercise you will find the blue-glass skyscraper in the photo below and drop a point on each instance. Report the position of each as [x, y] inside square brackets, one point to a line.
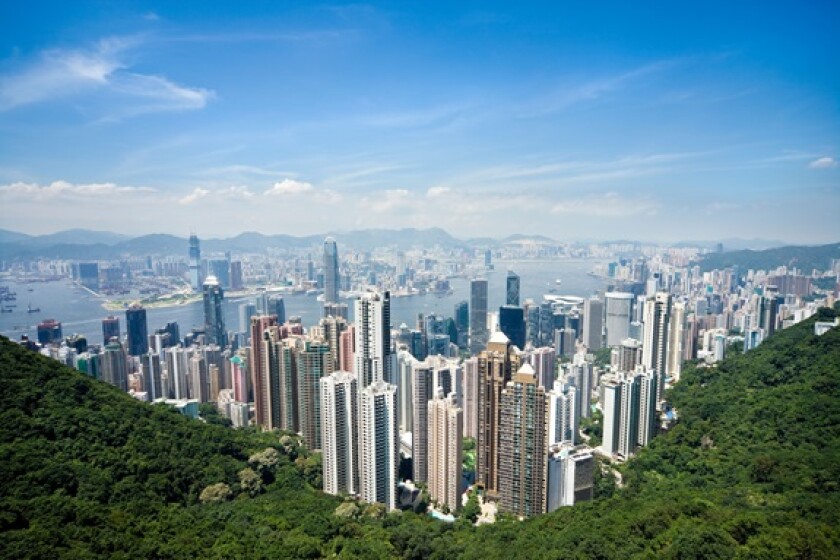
[138, 331]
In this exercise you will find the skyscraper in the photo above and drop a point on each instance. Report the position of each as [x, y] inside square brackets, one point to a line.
[110, 329]
[246, 311]
[214, 316]
[445, 457]
[277, 306]
[379, 443]
[195, 263]
[676, 333]
[151, 367]
[422, 392]
[462, 322]
[522, 445]
[281, 380]
[512, 288]
[512, 323]
[619, 309]
[471, 384]
[258, 365]
[331, 329]
[340, 433]
[495, 367]
[657, 319]
[312, 360]
[563, 413]
[478, 315]
[593, 320]
[373, 338]
[331, 281]
[115, 365]
[138, 333]
[199, 388]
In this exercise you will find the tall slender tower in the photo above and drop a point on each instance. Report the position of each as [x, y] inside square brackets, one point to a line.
[495, 367]
[214, 316]
[340, 433]
[379, 443]
[512, 288]
[657, 318]
[593, 321]
[676, 333]
[313, 361]
[258, 365]
[471, 384]
[195, 262]
[446, 431]
[478, 315]
[523, 445]
[373, 338]
[331, 281]
[422, 392]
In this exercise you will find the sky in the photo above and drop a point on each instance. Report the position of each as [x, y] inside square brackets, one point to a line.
[574, 120]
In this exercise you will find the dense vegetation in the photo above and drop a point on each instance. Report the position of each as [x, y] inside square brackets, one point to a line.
[750, 471]
[804, 258]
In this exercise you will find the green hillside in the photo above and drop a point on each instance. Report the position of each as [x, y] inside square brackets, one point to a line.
[750, 471]
[804, 258]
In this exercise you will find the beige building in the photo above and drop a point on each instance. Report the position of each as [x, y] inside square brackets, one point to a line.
[446, 430]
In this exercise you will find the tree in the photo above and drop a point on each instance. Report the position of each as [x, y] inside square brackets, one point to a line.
[218, 492]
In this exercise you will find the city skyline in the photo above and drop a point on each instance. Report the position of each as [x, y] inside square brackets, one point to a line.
[634, 121]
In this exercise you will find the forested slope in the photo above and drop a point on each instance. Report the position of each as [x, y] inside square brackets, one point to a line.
[750, 471]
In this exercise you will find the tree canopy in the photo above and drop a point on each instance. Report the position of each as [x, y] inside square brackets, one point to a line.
[751, 470]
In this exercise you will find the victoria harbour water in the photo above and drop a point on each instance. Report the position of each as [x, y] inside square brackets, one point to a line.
[80, 312]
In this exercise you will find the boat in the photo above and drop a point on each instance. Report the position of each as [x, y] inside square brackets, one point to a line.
[31, 309]
[5, 310]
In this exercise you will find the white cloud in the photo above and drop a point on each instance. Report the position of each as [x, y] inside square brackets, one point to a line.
[64, 189]
[606, 205]
[237, 192]
[823, 163]
[288, 187]
[197, 194]
[385, 201]
[437, 192]
[61, 73]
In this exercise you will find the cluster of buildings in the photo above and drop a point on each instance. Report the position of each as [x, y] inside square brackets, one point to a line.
[520, 382]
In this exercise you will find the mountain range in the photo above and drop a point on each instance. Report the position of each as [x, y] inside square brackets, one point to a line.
[90, 244]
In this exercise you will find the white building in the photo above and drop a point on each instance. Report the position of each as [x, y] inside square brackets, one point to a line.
[619, 308]
[339, 433]
[379, 442]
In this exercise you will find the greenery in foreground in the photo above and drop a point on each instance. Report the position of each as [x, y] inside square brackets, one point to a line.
[750, 471]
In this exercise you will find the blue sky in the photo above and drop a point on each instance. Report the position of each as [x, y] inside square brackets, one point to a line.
[573, 120]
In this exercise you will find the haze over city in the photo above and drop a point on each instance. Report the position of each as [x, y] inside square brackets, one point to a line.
[642, 122]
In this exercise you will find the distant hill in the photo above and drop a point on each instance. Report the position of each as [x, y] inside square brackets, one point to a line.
[84, 244]
[735, 244]
[7, 236]
[751, 470]
[804, 258]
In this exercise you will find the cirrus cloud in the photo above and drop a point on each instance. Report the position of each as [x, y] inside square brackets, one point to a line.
[607, 205]
[65, 189]
[102, 68]
[823, 163]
